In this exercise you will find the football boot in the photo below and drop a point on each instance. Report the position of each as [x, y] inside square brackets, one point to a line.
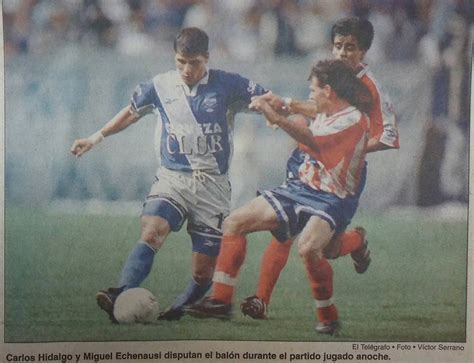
[210, 308]
[361, 256]
[254, 307]
[106, 300]
[331, 328]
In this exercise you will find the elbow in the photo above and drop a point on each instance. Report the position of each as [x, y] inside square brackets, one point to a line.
[311, 144]
[314, 147]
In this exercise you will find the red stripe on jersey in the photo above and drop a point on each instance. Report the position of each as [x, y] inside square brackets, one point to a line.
[337, 165]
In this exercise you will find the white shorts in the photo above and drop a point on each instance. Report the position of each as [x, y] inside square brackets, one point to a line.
[201, 198]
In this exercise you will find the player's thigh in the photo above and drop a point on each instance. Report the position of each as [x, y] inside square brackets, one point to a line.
[164, 209]
[316, 235]
[256, 215]
[209, 205]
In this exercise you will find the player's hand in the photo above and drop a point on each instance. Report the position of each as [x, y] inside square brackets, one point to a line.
[81, 146]
[261, 105]
[275, 101]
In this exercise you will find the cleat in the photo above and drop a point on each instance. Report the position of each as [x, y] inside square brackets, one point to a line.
[171, 314]
[331, 328]
[254, 307]
[106, 300]
[361, 256]
[210, 308]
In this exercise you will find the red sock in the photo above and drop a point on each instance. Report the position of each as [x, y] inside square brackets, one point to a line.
[231, 257]
[349, 241]
[273, 261]
[327, 314]
[320, 274]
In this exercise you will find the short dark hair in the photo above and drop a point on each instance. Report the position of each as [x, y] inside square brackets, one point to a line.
[191, 41]
[340, 76]
[361, 29]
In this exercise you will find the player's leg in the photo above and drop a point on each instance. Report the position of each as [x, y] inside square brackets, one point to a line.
[314, 238]
[204, 256]
[273, 261]
[257, 215]
[354, 242]
[137, 266]
[276, 255]
[160, 215]
[207, 205]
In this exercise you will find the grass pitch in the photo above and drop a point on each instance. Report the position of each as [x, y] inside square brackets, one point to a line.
[414, 290]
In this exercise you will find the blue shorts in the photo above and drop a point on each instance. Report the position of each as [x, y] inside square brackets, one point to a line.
[295, 202]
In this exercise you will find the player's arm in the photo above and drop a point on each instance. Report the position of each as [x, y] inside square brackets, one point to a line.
[374, 144]
[383, 126]
[119, 122]
[287, 105]
[298, 131]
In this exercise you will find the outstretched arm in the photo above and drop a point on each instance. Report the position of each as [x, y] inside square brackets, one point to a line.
[296, 130]
[288, 105]
[119, 122]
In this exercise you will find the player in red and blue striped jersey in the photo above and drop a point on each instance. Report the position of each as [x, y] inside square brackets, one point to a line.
[351, 39]
[195, 106]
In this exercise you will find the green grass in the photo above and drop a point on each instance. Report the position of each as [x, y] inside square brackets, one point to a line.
[415, 289]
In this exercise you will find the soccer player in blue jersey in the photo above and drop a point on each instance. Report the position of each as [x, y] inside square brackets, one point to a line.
[195, 106]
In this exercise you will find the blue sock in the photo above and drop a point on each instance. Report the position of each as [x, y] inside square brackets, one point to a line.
[137, 266]
[193, 293]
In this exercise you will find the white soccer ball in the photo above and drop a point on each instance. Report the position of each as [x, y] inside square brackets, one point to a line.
[137, 305]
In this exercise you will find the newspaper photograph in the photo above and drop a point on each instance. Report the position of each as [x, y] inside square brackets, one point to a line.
[236, 181]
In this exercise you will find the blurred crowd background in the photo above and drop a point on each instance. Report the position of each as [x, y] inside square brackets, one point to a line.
[71, 64]
[239, 29]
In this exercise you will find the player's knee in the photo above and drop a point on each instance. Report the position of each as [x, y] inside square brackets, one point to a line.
[154, 232]
[304, 251]
[234, 225]
[309, 249]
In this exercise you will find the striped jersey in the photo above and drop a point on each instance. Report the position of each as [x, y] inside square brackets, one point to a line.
[342, 145]
[196, 123]
[383, 125]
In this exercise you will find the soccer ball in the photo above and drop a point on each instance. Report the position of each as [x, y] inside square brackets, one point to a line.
[137, 305]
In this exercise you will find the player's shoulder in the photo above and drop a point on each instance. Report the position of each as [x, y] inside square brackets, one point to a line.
[368, 78]
[365, 74]
[348, 117]
[168, 76]
[220, 74]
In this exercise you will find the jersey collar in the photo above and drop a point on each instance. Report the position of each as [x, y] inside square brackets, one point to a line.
[362, 69]
[345, 111]
[192, 92]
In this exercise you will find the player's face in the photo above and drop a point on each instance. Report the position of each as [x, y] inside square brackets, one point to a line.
[318, 94]
[346, 47]
[191, 68]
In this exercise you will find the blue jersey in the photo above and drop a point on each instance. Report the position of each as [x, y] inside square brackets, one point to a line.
[196, 130]
[294, 162]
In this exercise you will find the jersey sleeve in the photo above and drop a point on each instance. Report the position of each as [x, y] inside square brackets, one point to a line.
[144, 99]
[244, 89]
[383, 125]
[390, 134]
